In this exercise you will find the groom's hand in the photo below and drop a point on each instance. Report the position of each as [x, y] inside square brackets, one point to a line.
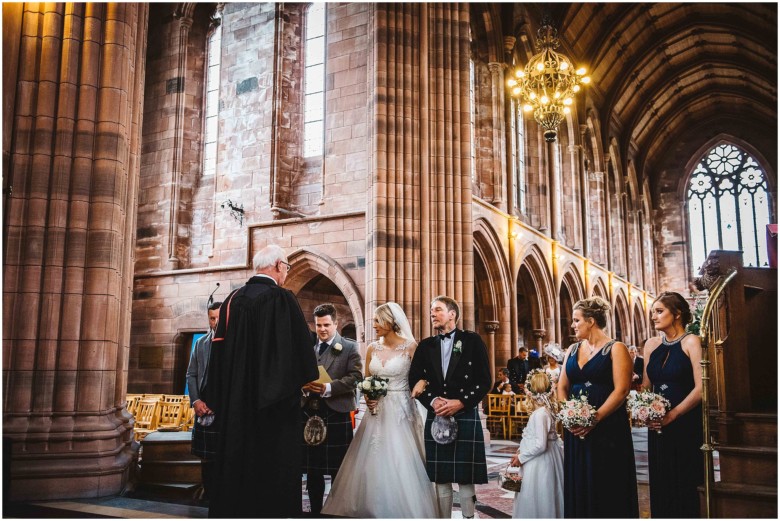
[314, 387]
[445, 407]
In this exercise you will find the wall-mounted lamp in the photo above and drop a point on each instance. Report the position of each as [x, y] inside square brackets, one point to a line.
[236, 211]
[516, 235]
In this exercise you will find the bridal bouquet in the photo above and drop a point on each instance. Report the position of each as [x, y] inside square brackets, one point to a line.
[577, 412]
[373, 387]
[646, 406]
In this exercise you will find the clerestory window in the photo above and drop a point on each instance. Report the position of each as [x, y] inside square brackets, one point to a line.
[314, 81]
[211, 98]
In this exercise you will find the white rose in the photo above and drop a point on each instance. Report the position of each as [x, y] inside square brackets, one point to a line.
[366, 385]
[337, 347]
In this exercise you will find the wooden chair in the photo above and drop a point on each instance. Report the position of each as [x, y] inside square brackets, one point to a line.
[169, 413]
[518, 417]
[187, 417]
[132, 403]
[498, 413]
[146, 417]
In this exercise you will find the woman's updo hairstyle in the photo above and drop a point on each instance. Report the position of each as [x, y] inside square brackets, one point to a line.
[384, 316]
[677, 304]
[596, 308]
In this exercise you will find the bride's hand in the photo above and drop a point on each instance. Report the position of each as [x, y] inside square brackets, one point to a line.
[371, 404]
[419, 388]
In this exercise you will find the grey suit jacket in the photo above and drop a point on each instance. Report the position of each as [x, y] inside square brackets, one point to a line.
[345, 368]
[197, 371]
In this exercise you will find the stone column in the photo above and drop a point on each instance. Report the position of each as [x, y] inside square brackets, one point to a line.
[539, 339]
[499, 133]
[68, 260]
[491, 327]
[419, 224]
[585, 209]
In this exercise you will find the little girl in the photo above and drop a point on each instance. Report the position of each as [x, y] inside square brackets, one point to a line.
[540, 455]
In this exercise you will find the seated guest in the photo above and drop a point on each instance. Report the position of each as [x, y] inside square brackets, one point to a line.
[503, 378]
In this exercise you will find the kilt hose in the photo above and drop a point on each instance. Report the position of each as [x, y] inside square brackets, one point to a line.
[204, 441]
[326, 457]
[462, 461]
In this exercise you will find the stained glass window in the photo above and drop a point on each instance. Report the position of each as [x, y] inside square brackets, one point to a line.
[728, 206]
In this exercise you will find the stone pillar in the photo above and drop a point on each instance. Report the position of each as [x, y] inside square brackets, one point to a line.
[499, 133]
[584, 195]
[419, 223]
[491, 327]
[68, 260]
[554, 191]
[539, 339]
[180, 29]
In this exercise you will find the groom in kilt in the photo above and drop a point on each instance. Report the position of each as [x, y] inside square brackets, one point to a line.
[454, 364]
[330, 403]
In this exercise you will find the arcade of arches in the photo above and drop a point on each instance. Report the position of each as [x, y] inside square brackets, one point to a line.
[149, 150]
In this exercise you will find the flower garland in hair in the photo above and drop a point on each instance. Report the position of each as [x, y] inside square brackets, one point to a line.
[544, 396]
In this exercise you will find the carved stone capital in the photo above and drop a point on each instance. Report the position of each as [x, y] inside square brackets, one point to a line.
[595, 176]
[539, 333]
[496, 68]
[491, 326]
[509, 43]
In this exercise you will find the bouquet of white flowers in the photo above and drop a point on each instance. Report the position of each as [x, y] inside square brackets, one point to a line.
[646, 406]
[373, 387]
[577, 412]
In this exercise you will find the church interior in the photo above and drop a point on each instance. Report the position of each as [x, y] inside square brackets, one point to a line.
[396, 152]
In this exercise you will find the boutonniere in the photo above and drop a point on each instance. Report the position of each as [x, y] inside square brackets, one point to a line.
[337, 347]
[458, 347]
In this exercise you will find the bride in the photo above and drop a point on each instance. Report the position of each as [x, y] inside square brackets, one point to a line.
[383, 473]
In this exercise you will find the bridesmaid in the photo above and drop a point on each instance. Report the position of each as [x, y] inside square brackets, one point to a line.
[673, 370]
[599, 470]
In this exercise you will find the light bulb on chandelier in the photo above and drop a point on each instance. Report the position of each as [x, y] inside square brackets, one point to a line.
[548, 72]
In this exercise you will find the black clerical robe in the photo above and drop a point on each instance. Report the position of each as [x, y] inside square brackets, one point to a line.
[261, 356]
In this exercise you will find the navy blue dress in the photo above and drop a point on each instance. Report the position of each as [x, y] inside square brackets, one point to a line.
[599, 471]
[675, 457]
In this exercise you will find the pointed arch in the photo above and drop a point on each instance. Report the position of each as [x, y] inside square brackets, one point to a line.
[621, 324]
[307, 264]
[489, 249]
[599, 289]
[640, 322]
[537, 287]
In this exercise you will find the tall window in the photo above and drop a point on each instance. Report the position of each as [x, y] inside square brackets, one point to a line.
[473, 122]
[728, 206]
[520, 157]
[211, 109]
[314, 81]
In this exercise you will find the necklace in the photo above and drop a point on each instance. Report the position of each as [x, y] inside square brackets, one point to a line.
[677, 337]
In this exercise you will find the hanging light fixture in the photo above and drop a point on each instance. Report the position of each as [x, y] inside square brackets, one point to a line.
[548, 82]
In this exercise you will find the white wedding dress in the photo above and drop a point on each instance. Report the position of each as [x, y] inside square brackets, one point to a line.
[383, 473]
[541, 453]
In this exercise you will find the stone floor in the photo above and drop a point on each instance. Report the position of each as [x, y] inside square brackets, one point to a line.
[492, 502]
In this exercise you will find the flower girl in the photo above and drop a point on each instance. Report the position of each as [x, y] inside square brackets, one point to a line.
[540, 455]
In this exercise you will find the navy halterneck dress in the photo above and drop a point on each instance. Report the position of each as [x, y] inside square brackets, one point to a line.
[599, 471]
[675, 457]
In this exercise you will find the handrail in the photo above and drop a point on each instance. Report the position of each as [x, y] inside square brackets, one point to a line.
[714, 294]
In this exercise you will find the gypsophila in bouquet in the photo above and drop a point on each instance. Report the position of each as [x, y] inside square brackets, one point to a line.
[646, 406]
[577, 412]
[373, 387]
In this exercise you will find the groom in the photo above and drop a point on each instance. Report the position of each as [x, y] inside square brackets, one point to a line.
[455, 366]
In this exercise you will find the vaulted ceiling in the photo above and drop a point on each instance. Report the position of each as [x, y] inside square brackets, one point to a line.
[669, 77]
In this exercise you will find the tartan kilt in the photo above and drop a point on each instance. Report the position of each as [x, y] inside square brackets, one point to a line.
[327, 456]
[462, 461]
[204, 441]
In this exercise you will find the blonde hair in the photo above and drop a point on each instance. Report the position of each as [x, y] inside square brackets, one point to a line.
[385, 317]
[540, 383]
[596, 308]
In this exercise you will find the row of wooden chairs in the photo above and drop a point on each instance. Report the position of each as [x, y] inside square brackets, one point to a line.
[154, 412]
[507, 414]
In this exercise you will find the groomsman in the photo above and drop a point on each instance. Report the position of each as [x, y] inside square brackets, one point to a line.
[332, 402]
[454, 364]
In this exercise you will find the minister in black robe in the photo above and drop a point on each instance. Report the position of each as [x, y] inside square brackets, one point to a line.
[261, 356]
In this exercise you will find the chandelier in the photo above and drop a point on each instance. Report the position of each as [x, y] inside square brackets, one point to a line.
[548, 82]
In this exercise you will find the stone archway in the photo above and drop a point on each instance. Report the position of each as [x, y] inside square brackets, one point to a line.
[639, 321]
[621, 323]
[491, 294]
[599, 289]
[570, 292]
[315, 275]
[535, 301]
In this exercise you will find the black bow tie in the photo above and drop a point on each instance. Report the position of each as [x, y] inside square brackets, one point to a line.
[446, 335]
